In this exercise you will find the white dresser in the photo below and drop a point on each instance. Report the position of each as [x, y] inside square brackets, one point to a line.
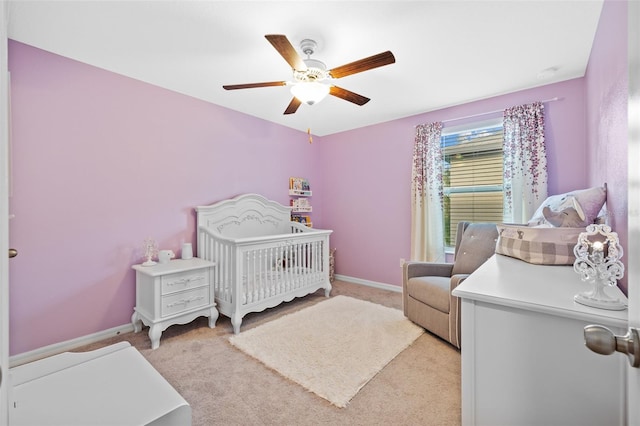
[176, 292]
[524, 361]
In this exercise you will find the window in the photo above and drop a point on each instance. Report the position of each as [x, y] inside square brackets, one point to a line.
[472, 175]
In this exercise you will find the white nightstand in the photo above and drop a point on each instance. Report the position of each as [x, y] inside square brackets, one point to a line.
[173, 293]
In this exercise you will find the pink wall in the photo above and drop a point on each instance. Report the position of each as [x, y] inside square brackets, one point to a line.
[607, 92]
[367, 175]
[100, 162]
[367, 172]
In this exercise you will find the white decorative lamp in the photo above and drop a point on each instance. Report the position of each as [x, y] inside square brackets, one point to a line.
[150, 248]
[598, 254]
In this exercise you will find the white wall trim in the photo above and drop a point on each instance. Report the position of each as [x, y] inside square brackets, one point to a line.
[67, 346]
[72, 344]
[368, 283]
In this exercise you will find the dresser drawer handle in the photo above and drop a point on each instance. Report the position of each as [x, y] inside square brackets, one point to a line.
[185, 281]
[185, 302]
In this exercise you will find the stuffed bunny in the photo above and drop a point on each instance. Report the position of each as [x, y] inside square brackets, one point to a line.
[568, 217]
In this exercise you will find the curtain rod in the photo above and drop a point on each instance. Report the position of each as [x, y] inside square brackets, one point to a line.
[492, 112]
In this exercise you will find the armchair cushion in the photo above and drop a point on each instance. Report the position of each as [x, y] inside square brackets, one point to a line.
[420, 269]
[431, 290]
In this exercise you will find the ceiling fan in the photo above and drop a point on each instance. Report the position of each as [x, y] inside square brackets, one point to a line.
[312, 80]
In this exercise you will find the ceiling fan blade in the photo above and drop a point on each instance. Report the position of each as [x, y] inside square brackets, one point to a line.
[254, 85]
[287, 51]
[375, 61]
[348, 95]
[293, 106]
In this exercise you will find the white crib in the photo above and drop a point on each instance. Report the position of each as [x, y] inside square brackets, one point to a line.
[262, 257]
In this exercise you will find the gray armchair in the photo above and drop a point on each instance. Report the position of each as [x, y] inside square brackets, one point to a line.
[427, 286]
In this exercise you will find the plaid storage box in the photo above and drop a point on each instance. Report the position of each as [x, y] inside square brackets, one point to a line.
[540, 246]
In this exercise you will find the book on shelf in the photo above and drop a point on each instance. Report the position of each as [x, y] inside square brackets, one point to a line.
[298, 185]
[300, 204]
[304, 219]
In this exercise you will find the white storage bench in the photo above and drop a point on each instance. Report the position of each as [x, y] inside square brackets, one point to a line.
[114, 385]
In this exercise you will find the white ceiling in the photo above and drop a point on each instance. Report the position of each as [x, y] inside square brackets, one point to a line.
[447, 52]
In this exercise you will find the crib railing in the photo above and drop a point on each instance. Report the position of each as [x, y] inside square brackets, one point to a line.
[250, 270]
[288, 265]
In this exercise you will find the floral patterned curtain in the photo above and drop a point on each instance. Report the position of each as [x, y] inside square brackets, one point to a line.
[525, 162]
[427, 231]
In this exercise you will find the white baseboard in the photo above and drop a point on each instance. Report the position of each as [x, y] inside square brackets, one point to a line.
[72, 344]
[368, 283]
[67, 346]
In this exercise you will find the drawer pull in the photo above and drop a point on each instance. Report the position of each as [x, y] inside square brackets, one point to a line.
[185, 302]
[185, 281]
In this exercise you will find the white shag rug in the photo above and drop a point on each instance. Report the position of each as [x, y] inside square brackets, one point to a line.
[332, 348]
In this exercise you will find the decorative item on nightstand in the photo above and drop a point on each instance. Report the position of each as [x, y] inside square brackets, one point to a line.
[164, 256]
[598, 254]
[150, 248]
[187, 251]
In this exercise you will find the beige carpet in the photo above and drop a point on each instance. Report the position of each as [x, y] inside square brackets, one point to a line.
[332, 348]
[226, 387]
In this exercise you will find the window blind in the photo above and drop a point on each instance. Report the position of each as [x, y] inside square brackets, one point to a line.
[472, 178]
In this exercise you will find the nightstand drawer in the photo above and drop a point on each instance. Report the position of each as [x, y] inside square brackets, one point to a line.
[185, 301]
[184, 281]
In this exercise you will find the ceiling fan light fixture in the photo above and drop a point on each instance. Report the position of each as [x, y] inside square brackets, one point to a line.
[311, 79]
[310, 92]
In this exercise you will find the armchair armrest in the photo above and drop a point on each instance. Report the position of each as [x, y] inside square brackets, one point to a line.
[422, 269]
[456, 280]
[454, 310]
